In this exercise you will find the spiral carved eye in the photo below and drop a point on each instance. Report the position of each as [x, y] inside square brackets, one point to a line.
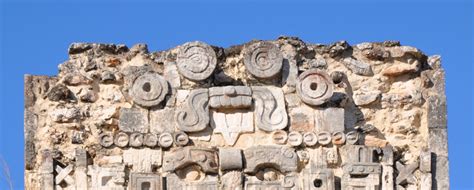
[314, 87]
[149, 89]
[263, 60]
[196, 61]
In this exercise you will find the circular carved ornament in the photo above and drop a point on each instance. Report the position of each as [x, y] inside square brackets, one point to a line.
[263, 59]
[106, 139]
[314, 87]
[196, 61]
[150, 140]
[149, 89]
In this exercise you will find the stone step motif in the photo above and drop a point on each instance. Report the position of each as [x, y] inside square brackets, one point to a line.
[281, 114]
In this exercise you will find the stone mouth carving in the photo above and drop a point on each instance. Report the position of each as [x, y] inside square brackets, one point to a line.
[263, 115]
[230, 97]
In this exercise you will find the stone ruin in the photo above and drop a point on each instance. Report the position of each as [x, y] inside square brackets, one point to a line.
[280, 114]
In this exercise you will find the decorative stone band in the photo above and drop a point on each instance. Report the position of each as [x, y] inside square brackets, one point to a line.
[309, 139]
[263, 59]
[187, 156]
[362, 168]
[149, 89]
[196, 61]
[314, 87]
[137, 140]
[280, 157]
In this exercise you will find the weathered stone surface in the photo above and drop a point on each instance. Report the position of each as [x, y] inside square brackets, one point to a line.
[230, 97]
[270, 113]
[399, 69]
[230, 159]
[196, 61]
[314, 87]
[163, 120]
[363, 99]
[329, 120]
[232, 180]
[186, 156]
[263, 115]
[231, 125]
[149, 89]
[145, 181]
[302, 119]
[257, 156]
[358, 67]
[107, 177]
[194, 116]
[263, 59]
[142, 160]
[133, 120]
[319, 180]
[60, 93]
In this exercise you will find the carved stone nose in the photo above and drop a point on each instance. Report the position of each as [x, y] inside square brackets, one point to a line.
[230, 91]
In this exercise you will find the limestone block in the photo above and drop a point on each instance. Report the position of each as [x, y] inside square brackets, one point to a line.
[302, 119]
[319, 180]
[358, 67]
[257, 156]
[232, 180]
[287, 182]
[162, 120]
[329, 120]
[80, 170]
[111, 178]
[230, 159]
[171, 74]
[232, 124]
[209, 182]
[142, 160]
[148, 181]
[133, 120]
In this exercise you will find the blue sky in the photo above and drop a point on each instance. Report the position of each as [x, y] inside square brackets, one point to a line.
[35, 37]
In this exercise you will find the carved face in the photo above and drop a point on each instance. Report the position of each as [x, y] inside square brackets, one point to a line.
[268, 114]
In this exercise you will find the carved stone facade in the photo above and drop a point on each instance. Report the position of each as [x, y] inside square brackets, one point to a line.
[280, 114]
